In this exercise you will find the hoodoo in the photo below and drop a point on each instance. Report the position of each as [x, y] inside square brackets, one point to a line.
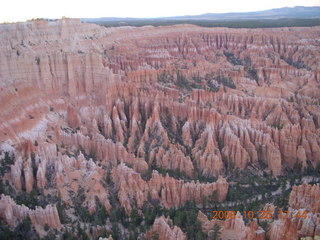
[135, 132]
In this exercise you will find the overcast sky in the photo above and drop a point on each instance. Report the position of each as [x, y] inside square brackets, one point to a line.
[21, 10]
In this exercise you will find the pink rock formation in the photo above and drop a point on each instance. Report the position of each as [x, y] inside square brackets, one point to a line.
[72, 117]
[166, 97]
[13, 213]
[16, 174]
[297, 224]
[156, 140]
[105, 150]
[71, 174]
[294, 227]
[90, 65]
[134, 191]
[164, 229]
[207, 153]
[233, 228]
[21, 170]
[305, 196]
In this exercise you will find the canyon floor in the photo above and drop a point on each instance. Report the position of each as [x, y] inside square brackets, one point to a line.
[143, 132]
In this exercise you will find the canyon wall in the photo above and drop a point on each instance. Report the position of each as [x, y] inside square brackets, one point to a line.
[156, 113]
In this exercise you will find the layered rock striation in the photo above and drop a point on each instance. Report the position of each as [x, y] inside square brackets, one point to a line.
[91, 109]
[67, 66]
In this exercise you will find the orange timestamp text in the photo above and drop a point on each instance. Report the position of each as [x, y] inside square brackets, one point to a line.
[263, 214]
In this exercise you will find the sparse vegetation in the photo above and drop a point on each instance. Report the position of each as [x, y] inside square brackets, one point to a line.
[182, 82]
[61, 211]
[264, 23]
[165, 77]
[81, 211]
[37, 59]
[28, 199]
[226, 81]
[46, 227]
[297, 64]
[6, 163]
[232, 59]
[253, 73]
[213, 87]
[214, 233]
[22, 231]
[278, 126]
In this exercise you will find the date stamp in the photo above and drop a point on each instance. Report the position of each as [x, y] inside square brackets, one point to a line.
[263, 214]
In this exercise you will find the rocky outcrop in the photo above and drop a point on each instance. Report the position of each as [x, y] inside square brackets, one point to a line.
[305, 196]
[255, 232]
[75, 174]
[22, 174]
[106, 150]
[294, 227]
[303, 218]
[71, 174]
[134, 191]
[163, 152]
[16, 174]
[173, 159]
[164, 230]
[233, 228]
[72, 117]
[13, 213]
[207, 153]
